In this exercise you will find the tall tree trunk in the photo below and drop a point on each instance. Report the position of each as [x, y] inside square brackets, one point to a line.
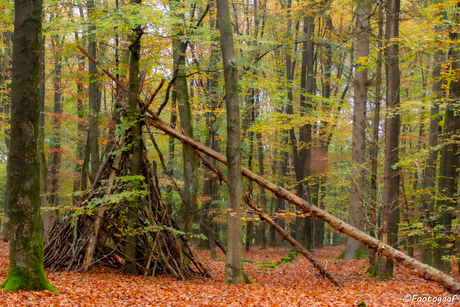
[56, 138]
[307, 85]
[427, 253]
[449, 160]
[93, 143]
[263, 197]
[6, 113]
[47, 214]
[212, 88]
[26, 247]
[356, 207]
[186, 120]
[234, 273]
[374, 151]
[390, 214]
[136, 146]
[80, 151]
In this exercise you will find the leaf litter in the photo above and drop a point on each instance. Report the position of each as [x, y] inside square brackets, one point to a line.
[291, 284]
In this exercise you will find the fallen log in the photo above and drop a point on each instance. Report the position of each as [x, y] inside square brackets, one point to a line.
[423, 270]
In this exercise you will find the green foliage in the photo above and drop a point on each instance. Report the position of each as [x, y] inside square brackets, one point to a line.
[266, 265]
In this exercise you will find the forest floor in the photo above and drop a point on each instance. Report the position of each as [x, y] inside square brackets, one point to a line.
[294, 284]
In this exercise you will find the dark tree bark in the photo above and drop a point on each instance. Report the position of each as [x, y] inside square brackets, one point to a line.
[56, 138]
[93, 135]
[429, 180]
[82, 131]
[26, 236]
[307, 85]
[136, 146]
[390, 214]
[449, 161]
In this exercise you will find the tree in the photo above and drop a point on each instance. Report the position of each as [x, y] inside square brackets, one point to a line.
[186, 120]
[356, 208]
[449, 159]
[234, 273]
[390, 215]
[93, 144]
[26, 248]
[136, 136]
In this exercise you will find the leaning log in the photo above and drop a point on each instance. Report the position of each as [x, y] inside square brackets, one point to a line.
[318, 265]
[423, 270]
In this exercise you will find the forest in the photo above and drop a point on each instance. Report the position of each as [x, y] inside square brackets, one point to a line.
[205, 149]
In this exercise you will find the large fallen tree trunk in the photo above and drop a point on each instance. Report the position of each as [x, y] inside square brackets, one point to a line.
[423, 270]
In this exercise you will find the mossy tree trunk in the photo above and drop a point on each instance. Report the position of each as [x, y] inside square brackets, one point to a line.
[26, 236]
[234, 261]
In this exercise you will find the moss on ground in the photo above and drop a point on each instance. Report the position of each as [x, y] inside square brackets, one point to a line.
[361, 254]
[18, 279]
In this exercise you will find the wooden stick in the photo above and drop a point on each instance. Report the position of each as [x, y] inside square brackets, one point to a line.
[318, 265]
[100, 215]
[182, 196]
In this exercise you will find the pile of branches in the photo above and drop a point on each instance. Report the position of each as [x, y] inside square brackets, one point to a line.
[160, 246]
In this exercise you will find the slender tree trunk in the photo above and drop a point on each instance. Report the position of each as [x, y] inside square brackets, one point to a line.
[80, 151]
[136, 147]
[307, 85]
[390, 214]
[234, 273]
[186, 120]
[356, 207]
[26, 247]
[92, 94]
[449, 161]
[263, 197]
[374, 151]
[56, 138]
[427, 253]
[47, 214]
[6, 113]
